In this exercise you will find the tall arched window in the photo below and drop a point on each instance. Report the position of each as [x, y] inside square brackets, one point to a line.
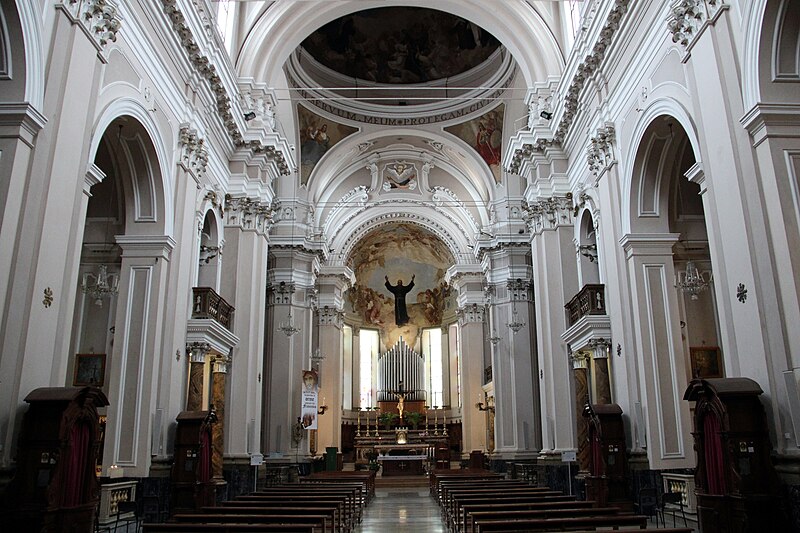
[369, 344]
[432, 351]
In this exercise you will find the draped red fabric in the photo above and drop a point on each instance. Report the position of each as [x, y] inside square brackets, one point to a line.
[715, 467]
[76, 469]
[597, 453]
[204, 468]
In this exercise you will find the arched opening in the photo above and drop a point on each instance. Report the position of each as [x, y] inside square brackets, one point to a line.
[588, 264]
[210, 256]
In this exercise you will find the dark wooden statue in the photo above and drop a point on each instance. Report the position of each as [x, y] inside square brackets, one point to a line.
[737, 487]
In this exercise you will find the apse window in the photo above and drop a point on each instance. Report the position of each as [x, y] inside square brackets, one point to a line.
[432, 350]
[368, 354]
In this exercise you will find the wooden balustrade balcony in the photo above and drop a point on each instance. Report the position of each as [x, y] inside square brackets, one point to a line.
[591, 300]
[206, 303]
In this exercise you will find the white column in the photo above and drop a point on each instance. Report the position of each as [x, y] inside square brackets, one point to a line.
[555, 282]
[332, 283]
[244, 285]
[137, 351]
[659, 350]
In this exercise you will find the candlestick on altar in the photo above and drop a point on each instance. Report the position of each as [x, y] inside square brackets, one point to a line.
[435, 420]
[427, 409]
[358, 422]
[376, 420]
[444, 421]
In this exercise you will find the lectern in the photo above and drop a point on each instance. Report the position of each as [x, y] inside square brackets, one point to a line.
[55, 487]
[737, 487]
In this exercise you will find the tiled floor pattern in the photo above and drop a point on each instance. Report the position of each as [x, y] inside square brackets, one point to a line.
[400, 509]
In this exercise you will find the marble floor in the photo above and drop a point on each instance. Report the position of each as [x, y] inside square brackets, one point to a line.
[402, 508]
[399, 509]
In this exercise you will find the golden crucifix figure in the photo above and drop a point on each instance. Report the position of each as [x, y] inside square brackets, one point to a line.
[401, 396]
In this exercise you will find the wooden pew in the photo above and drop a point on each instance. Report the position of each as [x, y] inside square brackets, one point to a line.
[521, 514]
[352, 496]
[467, 509]
[346, 513]
[475, 474]
[365, 477]
[560, 524]
[171, 527]
[454, 497]
[300, 517]
[332, 513]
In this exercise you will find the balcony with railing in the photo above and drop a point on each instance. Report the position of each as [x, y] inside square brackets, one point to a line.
[590, 300]
[207, 304]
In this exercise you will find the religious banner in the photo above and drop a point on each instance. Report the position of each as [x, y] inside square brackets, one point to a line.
[310, 396]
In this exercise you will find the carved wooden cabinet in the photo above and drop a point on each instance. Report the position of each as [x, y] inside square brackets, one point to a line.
[607, 483]
[191, 472]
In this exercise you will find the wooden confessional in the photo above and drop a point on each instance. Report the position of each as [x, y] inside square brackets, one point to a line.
[607, 482]
[737, 487]
[192, 487]
[55, 487]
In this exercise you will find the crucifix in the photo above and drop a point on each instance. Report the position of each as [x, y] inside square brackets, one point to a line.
[401, 397]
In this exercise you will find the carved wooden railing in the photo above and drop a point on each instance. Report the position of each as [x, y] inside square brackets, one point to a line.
[206, 303]
[590, 301]
[487, 374]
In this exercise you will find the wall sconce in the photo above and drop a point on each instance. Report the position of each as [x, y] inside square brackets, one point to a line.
[322, 408]
[250, 115]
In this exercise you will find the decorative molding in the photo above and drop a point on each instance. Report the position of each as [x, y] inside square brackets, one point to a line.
[250, 214]
[548, 213]
[688, 19]
[258, 99]
[208, 70]
[99, 18]
[600, 152]
[194, 155]
[471, 314]
[198, 351]
[93, 176]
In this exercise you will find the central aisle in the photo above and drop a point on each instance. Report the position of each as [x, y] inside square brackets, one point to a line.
[402, 504]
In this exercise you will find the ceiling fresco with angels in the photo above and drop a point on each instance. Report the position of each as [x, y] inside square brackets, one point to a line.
[401, 252]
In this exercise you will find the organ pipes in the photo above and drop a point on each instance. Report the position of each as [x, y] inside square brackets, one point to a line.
[401, 366]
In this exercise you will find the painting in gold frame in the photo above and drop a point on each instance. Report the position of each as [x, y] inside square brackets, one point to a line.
[90, 369]
[706, 362]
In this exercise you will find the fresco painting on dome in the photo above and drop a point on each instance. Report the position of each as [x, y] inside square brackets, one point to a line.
[485, 135]
[400, 251]
[400, 45]
[317, 136]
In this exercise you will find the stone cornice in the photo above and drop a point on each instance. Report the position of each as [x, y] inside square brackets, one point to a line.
[146, 246]
[272, 145]
[21, 120]
[207, 331]
[767, 120]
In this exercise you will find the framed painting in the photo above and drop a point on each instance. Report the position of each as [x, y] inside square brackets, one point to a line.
[90, 369]
[706, 362]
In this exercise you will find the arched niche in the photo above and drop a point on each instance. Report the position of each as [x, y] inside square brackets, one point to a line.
[210, 255]
[588, 253]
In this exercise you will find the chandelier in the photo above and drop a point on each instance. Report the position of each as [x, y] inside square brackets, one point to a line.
[287, 326]
[693, 283]
[515, 324]
[100, 285]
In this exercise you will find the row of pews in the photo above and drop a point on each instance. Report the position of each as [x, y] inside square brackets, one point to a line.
[479, 501]
[324, 502]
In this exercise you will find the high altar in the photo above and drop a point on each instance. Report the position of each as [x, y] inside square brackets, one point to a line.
[404, 452]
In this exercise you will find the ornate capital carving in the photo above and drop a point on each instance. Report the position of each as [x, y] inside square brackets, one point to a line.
[548, 213]
[600, 152]
[687, 17]
[329, 316]
[471, 314]
[281, 294]
[250, 214]
[520, 290]
[198, 351]
[194, 155]
[100, 18]
[259, 101]
[221, 363]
